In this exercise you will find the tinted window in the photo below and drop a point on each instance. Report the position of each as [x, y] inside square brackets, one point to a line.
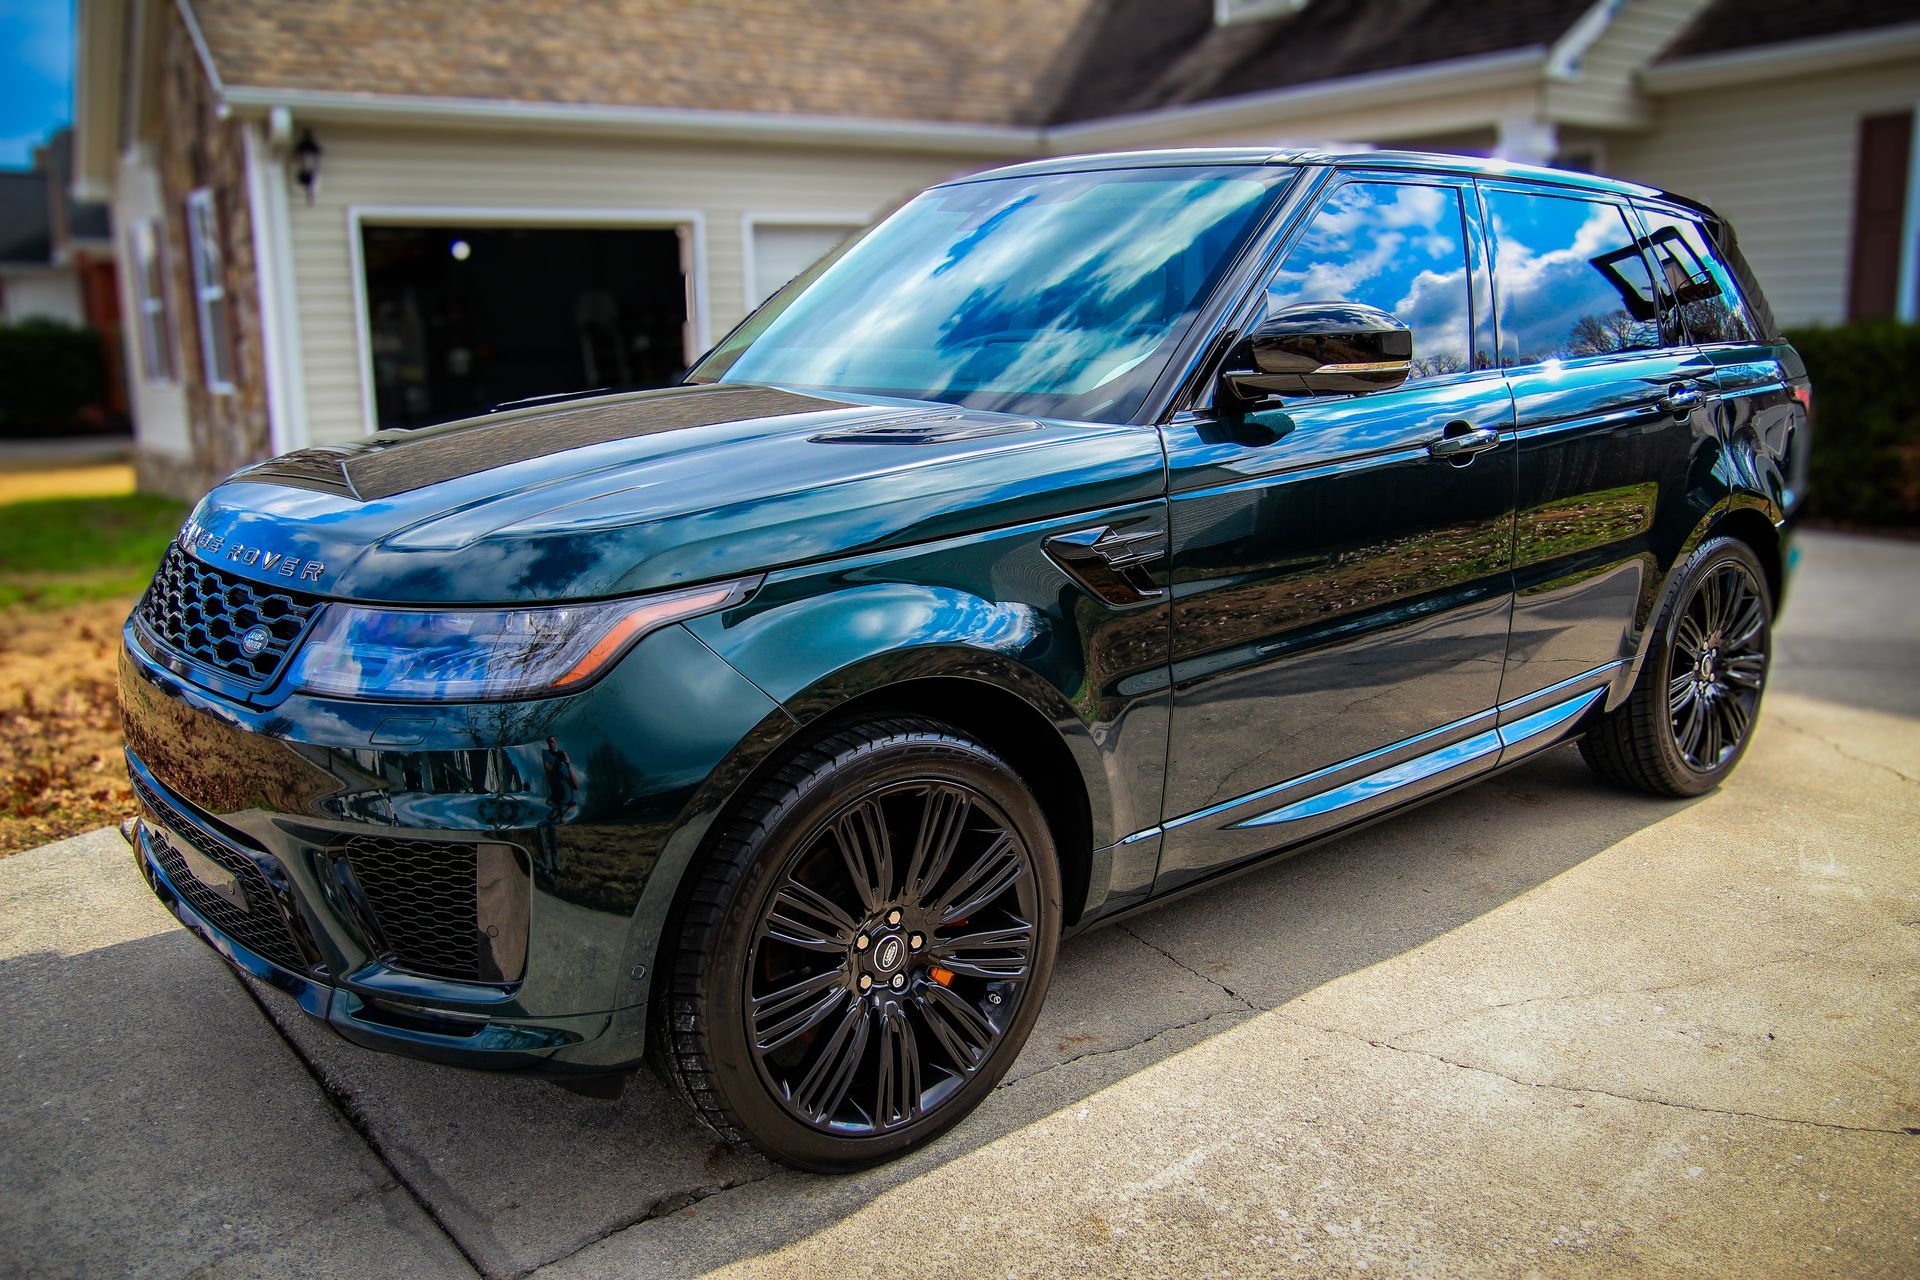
[1395, 246]
[1057, 294]
[1699, 282]
[1569, 280]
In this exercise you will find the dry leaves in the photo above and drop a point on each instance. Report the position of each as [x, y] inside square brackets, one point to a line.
[60, 756]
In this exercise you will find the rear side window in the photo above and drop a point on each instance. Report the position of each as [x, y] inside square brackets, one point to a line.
[1397, 246]
[1700, 283]
[1569, 279]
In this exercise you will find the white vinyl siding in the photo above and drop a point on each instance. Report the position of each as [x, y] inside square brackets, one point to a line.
[210, 292]
[1602, 89]
[1777, 159]
[573, 177]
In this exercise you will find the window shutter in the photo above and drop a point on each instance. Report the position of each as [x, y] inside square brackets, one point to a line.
[1879, 215]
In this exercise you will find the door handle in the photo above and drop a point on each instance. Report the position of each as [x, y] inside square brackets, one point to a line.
[1461, 442]
[1682, 400]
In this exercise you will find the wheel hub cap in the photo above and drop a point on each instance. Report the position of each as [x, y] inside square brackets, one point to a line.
[887, 957]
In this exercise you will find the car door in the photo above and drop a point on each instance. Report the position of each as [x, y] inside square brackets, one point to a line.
[1609, 401]
[1754, 411]
[1339, 590]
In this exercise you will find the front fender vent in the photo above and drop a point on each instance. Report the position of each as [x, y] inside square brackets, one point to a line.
[1111, 561]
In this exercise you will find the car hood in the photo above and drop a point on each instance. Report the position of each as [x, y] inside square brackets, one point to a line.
[630, 493]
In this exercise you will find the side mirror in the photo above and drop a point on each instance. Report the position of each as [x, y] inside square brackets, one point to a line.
[1318, 349]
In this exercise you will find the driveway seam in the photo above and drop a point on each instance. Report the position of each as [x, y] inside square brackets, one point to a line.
[357, 1124]
[1693, 1107]
[1206, 978]
[665, 1207]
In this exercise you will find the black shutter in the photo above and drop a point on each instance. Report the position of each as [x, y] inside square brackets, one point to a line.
[1879, 215]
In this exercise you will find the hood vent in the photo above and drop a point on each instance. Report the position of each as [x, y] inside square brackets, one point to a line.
[936, 428]
[317, 468]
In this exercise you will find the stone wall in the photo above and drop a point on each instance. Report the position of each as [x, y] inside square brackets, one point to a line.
[197, 148]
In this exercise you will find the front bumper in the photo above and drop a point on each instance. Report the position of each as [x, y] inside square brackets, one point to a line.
[410, 875]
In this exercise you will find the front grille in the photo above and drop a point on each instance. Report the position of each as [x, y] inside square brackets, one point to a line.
[424, 896]
[208, 615]
[258, 926]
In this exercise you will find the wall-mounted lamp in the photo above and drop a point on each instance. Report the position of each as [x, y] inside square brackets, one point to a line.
[306, 164]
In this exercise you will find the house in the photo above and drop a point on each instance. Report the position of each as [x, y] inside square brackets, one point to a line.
[337, 217]
[57, 261]
[56, 253]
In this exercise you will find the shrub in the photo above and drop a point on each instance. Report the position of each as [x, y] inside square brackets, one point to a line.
[51, 375]
[1865, 467]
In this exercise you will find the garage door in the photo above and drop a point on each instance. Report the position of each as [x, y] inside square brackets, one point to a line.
[782, 251]
[462, 319]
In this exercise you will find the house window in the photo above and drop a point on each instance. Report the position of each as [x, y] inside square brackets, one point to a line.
[150, 298]
[210, 292]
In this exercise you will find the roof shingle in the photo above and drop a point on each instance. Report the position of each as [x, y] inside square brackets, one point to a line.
[1727, 25]
[1145, 54]
[974, 61]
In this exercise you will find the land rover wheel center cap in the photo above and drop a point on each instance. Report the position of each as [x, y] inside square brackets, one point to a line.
[888, 954]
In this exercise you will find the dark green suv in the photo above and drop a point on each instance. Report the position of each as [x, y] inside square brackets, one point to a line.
[1084, 532]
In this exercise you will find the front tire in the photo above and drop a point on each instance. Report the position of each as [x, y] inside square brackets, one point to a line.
[866, 948]
[1691, 714]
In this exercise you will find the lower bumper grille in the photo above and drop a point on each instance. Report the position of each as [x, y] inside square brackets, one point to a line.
[225, 888]
[424, 896]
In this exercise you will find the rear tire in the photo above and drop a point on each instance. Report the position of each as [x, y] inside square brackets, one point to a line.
[1694, 707]
[865, 950]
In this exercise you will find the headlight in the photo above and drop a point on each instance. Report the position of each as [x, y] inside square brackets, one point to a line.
[434, 655]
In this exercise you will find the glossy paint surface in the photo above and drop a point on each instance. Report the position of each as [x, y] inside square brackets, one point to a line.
[636, 493]
[1330, 616]
[1336, 589]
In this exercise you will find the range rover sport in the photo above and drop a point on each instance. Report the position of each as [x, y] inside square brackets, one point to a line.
[1084, 532]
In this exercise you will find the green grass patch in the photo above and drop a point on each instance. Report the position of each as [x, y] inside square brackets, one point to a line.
[64, 551]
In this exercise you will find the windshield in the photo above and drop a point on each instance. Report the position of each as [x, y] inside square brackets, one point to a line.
[1061, 295]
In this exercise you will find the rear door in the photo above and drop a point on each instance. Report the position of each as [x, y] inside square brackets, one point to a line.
[1610, 410]
[1753, 411]
[1340, 593]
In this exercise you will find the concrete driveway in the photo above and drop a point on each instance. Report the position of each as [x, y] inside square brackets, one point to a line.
[1537, 1028]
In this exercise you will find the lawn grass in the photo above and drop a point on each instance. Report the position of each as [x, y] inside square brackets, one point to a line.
[59, 552]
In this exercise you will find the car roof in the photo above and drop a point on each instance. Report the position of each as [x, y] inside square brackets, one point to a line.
[1413, 161]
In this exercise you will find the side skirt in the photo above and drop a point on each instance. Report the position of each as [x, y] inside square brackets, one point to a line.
[1296, 814]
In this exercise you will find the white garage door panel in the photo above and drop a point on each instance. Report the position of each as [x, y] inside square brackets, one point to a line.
[783, 251]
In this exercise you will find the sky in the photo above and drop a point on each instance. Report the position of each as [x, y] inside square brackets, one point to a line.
[36, 75]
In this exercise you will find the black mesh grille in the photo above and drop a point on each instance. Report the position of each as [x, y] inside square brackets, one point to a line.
[208, 616]
[424, 897]
[258, 925]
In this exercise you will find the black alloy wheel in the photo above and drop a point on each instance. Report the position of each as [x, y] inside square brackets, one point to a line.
[866, 952]
[1692, 712]
[1718, 665]
[887, 965]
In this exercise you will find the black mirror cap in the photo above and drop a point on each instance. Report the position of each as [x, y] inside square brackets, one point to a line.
[1321, 348]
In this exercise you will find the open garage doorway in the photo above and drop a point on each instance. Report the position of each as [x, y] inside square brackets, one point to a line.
[464, 317]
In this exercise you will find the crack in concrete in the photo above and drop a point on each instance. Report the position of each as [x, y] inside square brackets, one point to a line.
[1234, 1015]
[1842, 752]
[665, 1207]
[1204, 977]
[351, 1116]
[1643, 1099]
[1658, 989]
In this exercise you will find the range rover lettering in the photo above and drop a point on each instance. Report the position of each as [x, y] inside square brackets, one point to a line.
[1085, 532]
